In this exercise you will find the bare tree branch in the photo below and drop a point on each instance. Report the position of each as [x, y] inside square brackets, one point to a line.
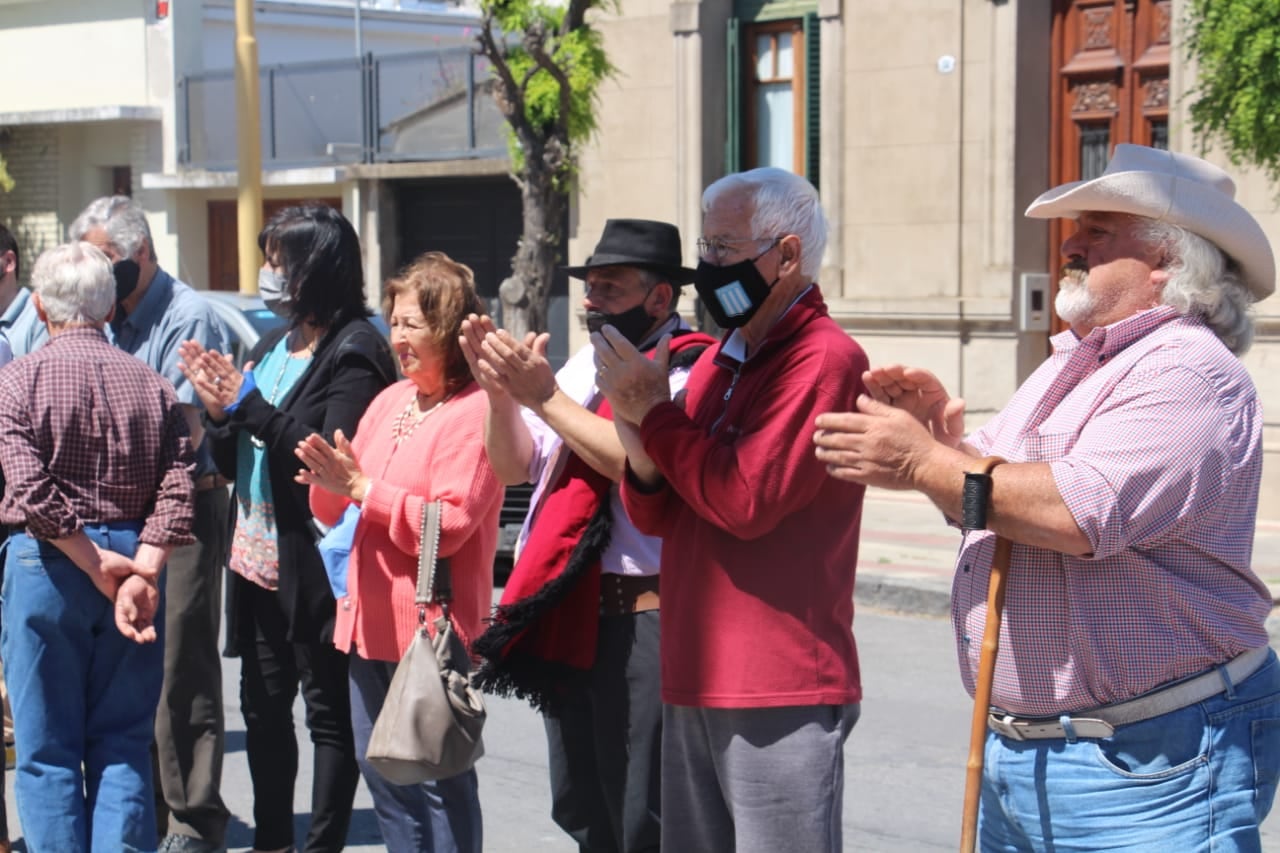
[535, 40]
[511, 100]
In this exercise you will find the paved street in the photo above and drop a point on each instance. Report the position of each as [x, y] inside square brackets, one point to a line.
[905, 760]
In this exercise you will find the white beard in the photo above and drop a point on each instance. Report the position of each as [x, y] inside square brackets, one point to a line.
[1074, 302]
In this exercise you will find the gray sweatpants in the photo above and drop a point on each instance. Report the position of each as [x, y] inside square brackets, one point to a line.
[754, 780]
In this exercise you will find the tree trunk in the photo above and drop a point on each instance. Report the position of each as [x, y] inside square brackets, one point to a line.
[527, 293]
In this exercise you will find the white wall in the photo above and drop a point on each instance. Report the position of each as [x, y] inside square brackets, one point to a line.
[300, 32]
[65, 54]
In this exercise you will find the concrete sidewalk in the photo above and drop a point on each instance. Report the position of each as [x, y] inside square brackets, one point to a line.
[907, 554]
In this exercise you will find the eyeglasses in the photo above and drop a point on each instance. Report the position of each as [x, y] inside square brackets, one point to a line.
[715, 248]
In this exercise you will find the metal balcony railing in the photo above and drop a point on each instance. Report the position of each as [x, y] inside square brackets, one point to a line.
[429, 105]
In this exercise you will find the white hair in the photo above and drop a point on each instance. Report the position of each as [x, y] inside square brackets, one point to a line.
[122, 218]
[782, 203]
[75, 284]
[1204, 282]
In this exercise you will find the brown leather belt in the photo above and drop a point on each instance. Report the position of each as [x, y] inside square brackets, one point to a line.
[207, 482]
[621, 594]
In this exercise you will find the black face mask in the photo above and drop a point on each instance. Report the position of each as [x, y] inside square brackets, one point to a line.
[126, 273]
[633, 324]
[733, 293]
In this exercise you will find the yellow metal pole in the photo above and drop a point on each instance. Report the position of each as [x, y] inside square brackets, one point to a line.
[249, 138]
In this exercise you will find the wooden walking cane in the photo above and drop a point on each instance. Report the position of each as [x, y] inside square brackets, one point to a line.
[977, 496]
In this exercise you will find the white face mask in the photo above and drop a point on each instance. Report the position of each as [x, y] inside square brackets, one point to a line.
[272, 287]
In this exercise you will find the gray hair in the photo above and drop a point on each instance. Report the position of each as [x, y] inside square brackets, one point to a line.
[1204, 282]
[652, 278]
[782, 203]
[122, 218]
[75, 283]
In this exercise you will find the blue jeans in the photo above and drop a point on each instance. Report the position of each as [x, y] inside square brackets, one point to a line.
[1196, 779]
[434, 817]
[84, 701]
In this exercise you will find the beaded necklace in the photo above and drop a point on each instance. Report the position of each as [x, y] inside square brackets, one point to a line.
[303, 358]
[407, 421]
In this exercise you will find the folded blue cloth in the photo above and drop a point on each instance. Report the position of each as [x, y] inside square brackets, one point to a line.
[335, 550]
[247, 385]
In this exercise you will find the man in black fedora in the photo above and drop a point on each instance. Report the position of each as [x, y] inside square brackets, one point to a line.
[576, 633]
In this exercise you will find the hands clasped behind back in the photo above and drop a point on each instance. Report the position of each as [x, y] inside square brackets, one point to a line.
[133, 589]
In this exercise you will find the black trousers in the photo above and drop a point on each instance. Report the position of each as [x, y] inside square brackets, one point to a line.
[604, 743]
[270, 674]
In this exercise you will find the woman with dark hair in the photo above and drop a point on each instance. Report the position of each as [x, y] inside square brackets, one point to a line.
[313, 376]
[422, 440]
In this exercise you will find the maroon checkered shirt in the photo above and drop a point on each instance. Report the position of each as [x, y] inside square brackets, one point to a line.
[1153, 432]
[90, 434]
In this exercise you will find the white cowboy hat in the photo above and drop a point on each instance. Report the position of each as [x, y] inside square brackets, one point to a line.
[1175, 188]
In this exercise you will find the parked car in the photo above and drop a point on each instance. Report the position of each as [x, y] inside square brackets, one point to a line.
[249, 319]
[246, 317]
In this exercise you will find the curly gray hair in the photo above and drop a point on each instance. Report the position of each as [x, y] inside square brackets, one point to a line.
[122, 218]
[1203, 281]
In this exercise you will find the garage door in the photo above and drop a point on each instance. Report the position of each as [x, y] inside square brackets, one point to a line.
[475, 221]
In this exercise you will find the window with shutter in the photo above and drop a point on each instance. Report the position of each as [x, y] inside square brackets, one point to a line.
[773, 87]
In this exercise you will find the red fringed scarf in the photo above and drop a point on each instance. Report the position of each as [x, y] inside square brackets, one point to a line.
[543, 633]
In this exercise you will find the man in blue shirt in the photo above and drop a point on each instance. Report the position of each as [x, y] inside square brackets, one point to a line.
[21, 328]
[155, 313]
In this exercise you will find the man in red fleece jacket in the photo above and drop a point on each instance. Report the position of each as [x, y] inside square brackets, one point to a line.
[760, 682]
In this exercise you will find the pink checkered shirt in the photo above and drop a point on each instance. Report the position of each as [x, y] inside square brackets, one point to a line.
[1153, 432]
[90, 434]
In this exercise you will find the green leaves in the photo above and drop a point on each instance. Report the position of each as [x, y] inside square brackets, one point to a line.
[6, 181]
[553, 58]
[1236, 44]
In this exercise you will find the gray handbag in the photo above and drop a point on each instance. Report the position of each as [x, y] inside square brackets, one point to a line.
[430, 722]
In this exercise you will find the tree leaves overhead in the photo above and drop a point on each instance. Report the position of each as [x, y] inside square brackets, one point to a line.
[546, 56]
[6, 182]
[547, 63]
[1236, 44]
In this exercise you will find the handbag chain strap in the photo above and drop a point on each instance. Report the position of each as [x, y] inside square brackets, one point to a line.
[434, 580]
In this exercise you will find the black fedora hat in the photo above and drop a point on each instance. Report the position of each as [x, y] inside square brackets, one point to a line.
[638, 243]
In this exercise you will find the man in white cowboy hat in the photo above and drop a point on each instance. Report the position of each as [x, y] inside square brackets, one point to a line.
[1136, 705]
[577, 633]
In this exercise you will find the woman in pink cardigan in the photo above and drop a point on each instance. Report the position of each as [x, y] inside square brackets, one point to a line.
[421, 440]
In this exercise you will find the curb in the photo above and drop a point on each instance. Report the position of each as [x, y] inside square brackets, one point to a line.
[897, 595]
[894, 594]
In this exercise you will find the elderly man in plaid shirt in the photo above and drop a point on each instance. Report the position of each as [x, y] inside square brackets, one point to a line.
[97, 464]
[1136, 705]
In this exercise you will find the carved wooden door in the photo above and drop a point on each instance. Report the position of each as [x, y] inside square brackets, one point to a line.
[1110, 84]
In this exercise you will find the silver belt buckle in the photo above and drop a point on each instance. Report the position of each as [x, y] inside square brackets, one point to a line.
[1004, 726]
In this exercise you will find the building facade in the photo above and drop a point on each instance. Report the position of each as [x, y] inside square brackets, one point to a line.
[928, 127]
[386, 115]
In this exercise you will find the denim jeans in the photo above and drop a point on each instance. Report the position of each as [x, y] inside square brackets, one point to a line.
[1196, 779]
[84, 700]
[434, 817]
